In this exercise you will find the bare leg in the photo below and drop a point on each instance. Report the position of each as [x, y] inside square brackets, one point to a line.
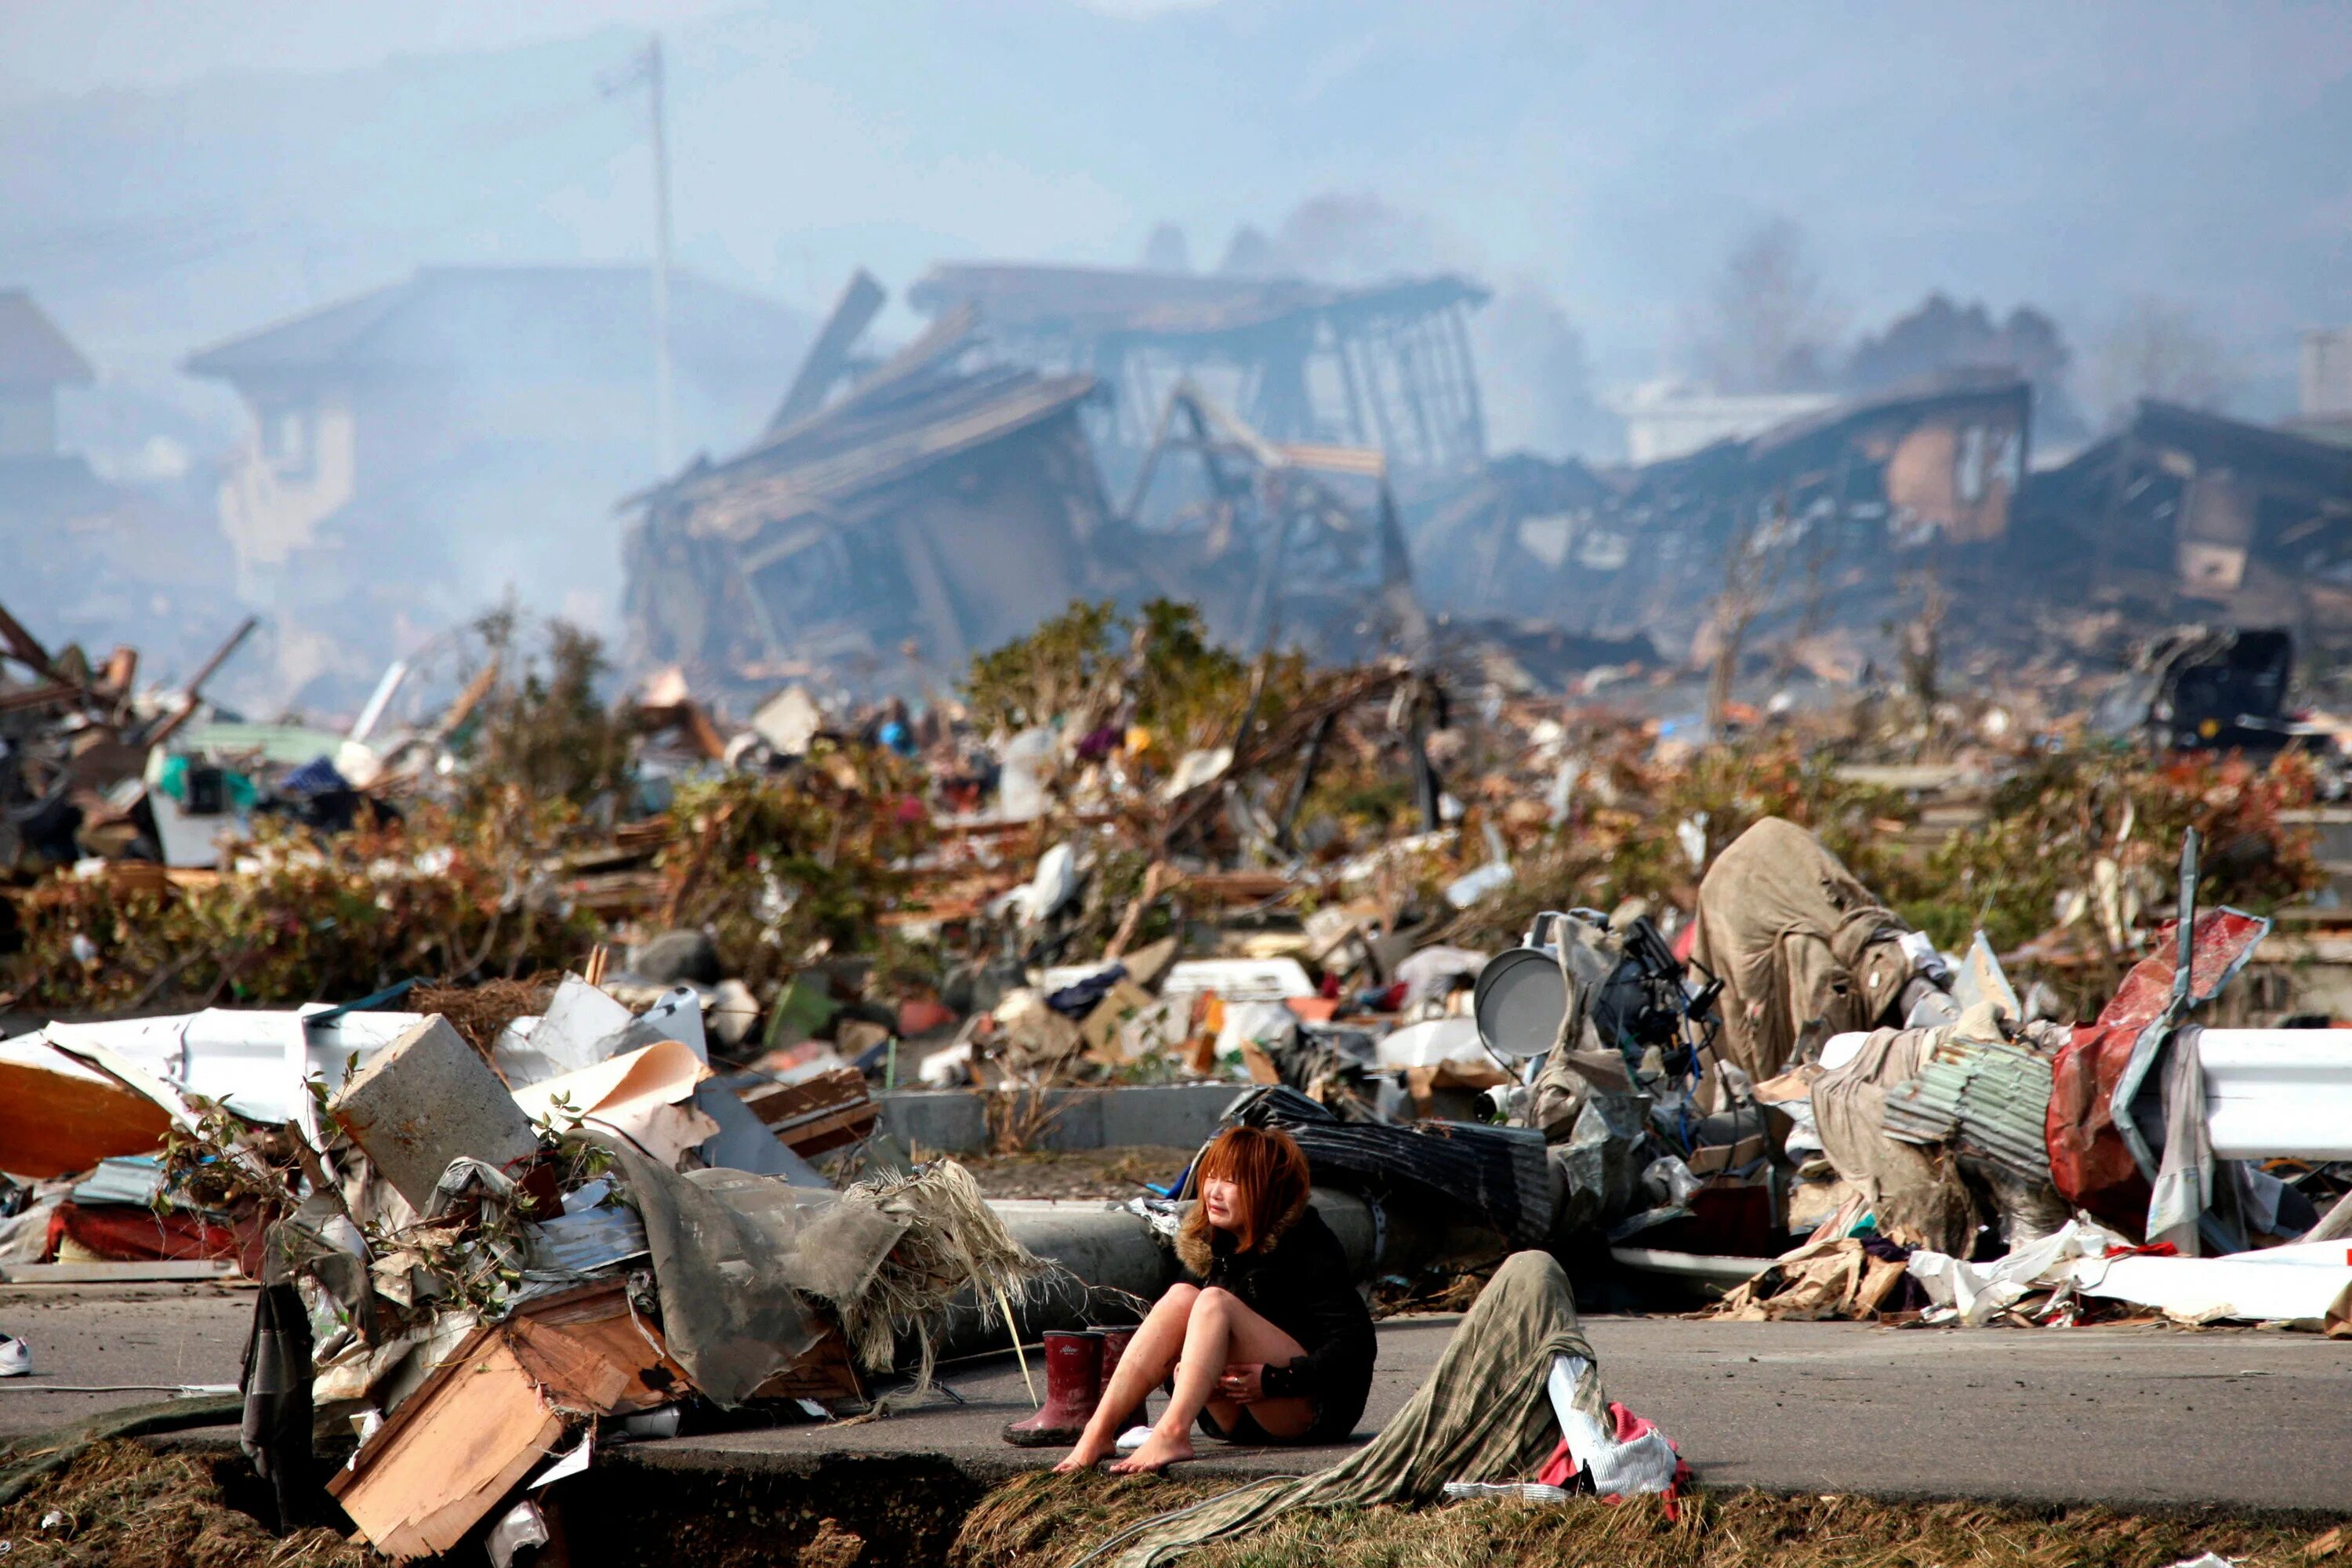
[1149, 1357]
[1221, 1331]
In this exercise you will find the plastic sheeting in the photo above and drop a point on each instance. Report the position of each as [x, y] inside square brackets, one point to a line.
[2306, 1282]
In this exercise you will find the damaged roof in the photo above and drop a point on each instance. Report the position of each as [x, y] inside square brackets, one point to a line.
[33, 351]
[1993, 390]
[863, 443]
[1096, 301]
[2275, 454]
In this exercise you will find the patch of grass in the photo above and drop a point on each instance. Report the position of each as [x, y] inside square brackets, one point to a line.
[1046, 1521]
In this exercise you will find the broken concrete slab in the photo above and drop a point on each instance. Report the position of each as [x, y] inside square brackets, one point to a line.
[428, 1099]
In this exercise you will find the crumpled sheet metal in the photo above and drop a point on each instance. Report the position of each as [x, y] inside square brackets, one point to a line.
[2091, 1161]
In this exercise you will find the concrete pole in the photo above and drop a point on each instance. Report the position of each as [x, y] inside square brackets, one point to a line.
[665, 421]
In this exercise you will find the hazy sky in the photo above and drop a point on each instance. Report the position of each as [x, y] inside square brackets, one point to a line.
[171, 173]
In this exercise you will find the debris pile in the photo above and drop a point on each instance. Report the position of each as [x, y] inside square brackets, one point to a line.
[1670, 997]
[571, 1233]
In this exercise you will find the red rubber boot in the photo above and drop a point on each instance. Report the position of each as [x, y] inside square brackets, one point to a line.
[1073, 1379]
[1114, 1344]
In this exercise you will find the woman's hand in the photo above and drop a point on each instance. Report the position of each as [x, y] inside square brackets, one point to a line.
[1243, 1381]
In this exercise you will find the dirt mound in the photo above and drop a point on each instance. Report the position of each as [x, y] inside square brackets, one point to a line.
[123, 1504]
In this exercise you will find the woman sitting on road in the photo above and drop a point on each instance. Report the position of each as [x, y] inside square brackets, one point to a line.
[1274, 1345]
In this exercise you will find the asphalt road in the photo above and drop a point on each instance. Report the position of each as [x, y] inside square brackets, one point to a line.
[161, 1335]
[2133, 1416]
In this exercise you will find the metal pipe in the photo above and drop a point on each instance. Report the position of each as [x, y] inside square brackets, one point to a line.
[2277, 1094]
[1110, 1260]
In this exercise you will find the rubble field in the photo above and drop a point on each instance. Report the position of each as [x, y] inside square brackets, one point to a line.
[627, 1110]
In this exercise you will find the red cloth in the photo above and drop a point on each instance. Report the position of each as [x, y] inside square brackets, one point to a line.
[127, 1233]
[1560, 1468]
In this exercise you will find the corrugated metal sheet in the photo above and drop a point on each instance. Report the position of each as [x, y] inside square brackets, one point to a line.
[1990, 1098]
[130, 1179]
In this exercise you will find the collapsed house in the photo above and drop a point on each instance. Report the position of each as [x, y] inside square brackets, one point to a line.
[1819, 531]
[1809, 523]
[1386, 365]
[1293, 544]
[417, 448]
[1306, 463]
[947, 500]
[2188, 515]
[932, 510]
[1500, 543]
[98, 553]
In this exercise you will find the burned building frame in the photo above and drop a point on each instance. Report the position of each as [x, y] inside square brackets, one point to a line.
[1386, 365]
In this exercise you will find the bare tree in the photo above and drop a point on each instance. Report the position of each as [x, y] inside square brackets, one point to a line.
[1752, 565]
[1820, 545]
[1767, 326]
[1920, 644]
[2158, 348]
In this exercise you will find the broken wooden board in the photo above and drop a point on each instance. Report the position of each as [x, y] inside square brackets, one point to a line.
[820, 1113]
[451, 1451]
[824, 1372]
[597, 1320]
[502, 1399]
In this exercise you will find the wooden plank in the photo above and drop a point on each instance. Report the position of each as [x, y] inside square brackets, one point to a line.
[26, 647]
[818, 1114]
[832, 1131]
[38, 697]
[448, 1454]
[156, 1271]
[489, 1413]
[571, 1371]
[829, 355]
[778, 1103]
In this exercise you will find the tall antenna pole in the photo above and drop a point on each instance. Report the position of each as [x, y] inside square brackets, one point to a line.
[665, 428]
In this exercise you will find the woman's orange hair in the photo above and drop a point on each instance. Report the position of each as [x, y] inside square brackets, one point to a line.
[1266, 1164]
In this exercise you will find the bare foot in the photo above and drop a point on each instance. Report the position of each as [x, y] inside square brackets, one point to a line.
[1090, 1451]
[1157, 1454]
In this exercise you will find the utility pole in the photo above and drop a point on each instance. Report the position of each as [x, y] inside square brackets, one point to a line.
[665, 425]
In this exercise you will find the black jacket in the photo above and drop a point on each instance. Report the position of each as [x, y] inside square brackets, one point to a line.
[1297, 1279]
